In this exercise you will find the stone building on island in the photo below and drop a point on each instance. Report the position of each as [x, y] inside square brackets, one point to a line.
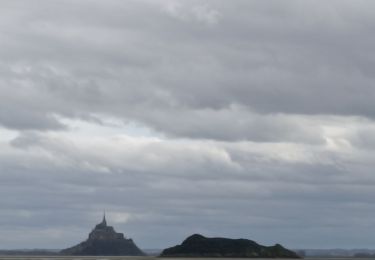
[104, 240]
[104, 232]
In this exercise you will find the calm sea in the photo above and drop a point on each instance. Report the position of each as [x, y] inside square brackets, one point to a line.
[143, 258]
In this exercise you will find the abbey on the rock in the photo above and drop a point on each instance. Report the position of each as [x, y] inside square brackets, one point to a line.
[103, 231]
[104, 240]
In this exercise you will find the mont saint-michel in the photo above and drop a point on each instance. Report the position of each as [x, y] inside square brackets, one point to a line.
[104, 240]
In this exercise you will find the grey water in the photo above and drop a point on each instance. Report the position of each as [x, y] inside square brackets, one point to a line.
[148, 258]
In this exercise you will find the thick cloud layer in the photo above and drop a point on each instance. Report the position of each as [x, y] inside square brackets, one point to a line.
[229, 118]
[160, 63]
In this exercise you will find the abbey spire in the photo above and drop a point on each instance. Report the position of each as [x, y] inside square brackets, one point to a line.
[103, 224]
[104, 221]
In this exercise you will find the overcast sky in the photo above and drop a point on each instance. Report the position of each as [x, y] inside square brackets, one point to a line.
[252, 119]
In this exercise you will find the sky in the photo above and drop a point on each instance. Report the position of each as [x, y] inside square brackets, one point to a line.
[243, 119]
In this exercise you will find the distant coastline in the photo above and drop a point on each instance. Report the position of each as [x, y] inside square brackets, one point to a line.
[310, 253]
[195, 246]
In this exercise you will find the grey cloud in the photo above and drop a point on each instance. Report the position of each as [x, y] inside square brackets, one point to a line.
[263, 203]
[254, 101]
[27, 120]
[269, 58]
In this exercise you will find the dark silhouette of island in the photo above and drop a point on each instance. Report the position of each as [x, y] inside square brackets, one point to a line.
[200, 246]
[104, 240]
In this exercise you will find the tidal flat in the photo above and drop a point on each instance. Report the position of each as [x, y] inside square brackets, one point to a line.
[146, 258]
